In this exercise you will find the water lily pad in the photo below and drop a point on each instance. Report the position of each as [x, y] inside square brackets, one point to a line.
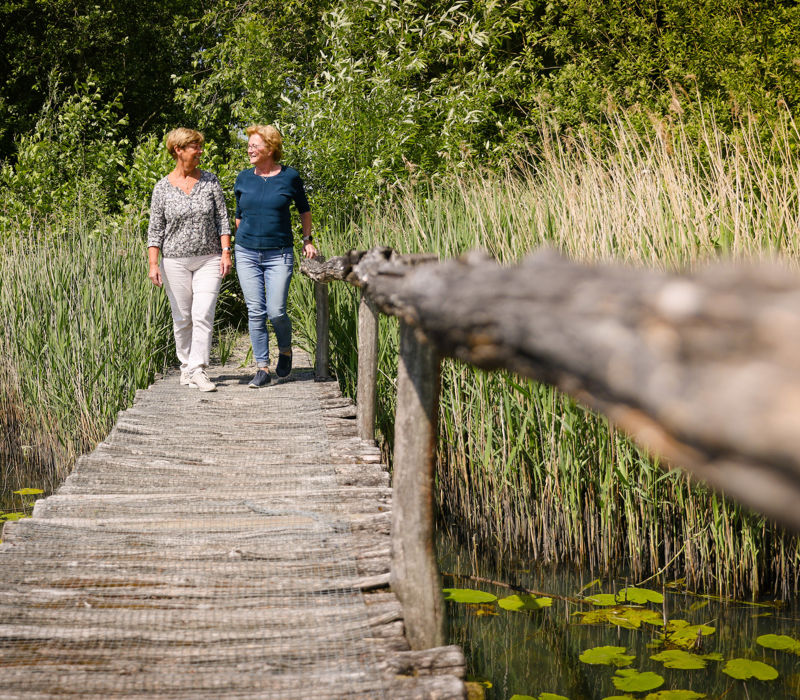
[606, 656]
[524, 602]
[675, 695]
[485, 682]
[677, 658]
[619, 697]
[13, 516]
[635, 681]
[468, 595]
[28, 492]
[602, 599]
[742, 669]
[713, 656]
[522, 697]
[681, 633]
[552, 696]
[622, 616]
[781, 642]
[640, 596]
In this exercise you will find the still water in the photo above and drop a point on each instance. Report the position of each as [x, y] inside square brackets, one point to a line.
[537, 651]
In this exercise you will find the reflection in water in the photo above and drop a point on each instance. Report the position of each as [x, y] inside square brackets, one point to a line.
[529, 653]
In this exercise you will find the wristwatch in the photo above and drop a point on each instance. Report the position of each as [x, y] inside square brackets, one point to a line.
[308, 239]
[227, 249]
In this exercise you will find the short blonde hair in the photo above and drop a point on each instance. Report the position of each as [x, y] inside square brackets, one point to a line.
[272, 138]
[181, 138]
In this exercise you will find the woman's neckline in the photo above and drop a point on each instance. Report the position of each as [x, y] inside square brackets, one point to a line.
[180, 189]
[268, 175]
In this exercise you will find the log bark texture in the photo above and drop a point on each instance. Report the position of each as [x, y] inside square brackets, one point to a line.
[702, 368]
[367, 368]
[414, 573]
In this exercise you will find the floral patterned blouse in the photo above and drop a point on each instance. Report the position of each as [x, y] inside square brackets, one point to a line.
[183, 225]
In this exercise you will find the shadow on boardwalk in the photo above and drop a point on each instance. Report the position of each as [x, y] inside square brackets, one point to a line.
[226, 544]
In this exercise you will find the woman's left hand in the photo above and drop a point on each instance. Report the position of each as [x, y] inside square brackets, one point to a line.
[309, 250]
[225, 263]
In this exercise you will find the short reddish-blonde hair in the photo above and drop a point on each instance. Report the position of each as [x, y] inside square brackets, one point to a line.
[272, 138]
[181, 138]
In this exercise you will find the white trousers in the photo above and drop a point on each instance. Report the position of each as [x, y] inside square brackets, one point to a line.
[192, 286]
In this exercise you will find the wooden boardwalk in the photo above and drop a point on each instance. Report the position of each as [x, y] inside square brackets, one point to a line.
[228, 544]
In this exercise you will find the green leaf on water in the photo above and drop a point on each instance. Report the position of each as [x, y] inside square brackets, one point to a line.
[28, 492]
[640, 596]
[619, 697]
[522, 697]
[468, 595]
[677, 658]
[781, 642]
[636, 682]
[713, 656]
[552, 696]
[524, 602]
[681, 633]
[627, 617]
[675, 695]
[485, 682]
[602, 599]
[606, 656]
[742, 669]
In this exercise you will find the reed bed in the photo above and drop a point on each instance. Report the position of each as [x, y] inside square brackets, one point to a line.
[83, 328]
[525, 468]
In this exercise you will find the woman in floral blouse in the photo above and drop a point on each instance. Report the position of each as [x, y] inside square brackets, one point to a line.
[189, 228]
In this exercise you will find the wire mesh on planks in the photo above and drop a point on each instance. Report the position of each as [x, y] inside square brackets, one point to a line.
[205, 549]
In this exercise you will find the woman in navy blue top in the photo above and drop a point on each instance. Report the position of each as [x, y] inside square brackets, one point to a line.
[264, 245]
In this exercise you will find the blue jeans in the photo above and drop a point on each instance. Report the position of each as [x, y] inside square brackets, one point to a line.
[264, 276]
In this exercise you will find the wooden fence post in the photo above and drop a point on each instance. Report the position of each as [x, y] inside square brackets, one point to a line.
[321, 362]
[415, 575]
[367, 367]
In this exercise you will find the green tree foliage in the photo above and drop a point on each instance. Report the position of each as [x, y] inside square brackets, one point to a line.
[72, 159]
[130, 48]
[369, 91]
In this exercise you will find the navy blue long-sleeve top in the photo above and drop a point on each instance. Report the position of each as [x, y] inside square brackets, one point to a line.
[262, 204]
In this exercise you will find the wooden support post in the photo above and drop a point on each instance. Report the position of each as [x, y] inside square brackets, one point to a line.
[321, 363]
[367, 367]
[415, 575]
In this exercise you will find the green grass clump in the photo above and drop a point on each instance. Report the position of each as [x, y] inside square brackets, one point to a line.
[83, 328]
[527, 468]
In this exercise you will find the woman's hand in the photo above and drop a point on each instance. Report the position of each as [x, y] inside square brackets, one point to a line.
[225, 263]
[155, 274]
[309, 250]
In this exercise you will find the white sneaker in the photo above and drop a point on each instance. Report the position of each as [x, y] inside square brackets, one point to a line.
[185, 378]
[200, 379]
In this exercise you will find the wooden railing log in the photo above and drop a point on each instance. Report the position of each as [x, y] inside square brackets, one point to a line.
[703, 369]
[367, 368]
[415, 575]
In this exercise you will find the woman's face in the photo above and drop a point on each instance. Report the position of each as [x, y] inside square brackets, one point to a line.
[257, 150]
[189, 155]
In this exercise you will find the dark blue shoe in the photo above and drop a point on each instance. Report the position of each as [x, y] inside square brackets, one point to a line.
[261, 379]
[284, 365]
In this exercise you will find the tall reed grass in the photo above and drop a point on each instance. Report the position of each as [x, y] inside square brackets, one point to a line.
[524, 467]
[82, 329]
